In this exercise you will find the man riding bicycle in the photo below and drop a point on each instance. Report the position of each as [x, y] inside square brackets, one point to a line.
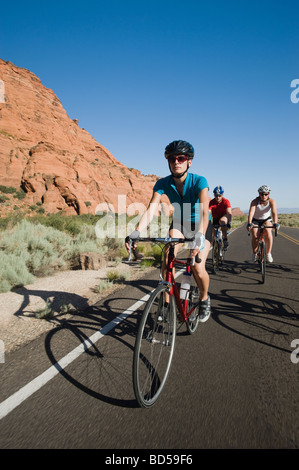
[221, 211]
[188, 194]
[262, 211]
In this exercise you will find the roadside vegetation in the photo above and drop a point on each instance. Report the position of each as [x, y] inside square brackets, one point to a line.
[39, 245]
[289, 220]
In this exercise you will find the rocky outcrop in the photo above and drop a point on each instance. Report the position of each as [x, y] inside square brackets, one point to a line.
[58, 165]
[236, 212]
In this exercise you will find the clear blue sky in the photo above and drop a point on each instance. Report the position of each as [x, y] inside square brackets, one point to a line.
[141, 73]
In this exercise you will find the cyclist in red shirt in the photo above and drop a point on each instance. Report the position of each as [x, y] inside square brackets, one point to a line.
[221, 211]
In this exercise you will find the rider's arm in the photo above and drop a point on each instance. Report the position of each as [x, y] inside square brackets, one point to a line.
[274, 211]
[229, 214]
[251, 211]
[204, 210]
[151, 210]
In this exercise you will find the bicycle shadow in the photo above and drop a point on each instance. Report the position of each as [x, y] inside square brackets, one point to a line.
[250, 273]
[55, 299]
[104, 369]
[265, 320]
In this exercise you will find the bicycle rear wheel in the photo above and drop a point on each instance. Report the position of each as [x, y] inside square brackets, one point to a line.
[215, 256]
[154, 347]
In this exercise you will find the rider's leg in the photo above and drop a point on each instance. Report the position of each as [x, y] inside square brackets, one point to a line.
[173, 233]
[268, 236]
[254, 239]
[224, 221]
[200, 273]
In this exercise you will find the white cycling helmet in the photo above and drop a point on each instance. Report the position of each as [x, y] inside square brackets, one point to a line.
[264, 189]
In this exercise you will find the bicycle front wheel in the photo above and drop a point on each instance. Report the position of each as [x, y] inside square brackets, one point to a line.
[263, 261]
[154, 347]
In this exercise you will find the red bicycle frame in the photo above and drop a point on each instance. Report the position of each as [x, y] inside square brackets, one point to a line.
[182, 305]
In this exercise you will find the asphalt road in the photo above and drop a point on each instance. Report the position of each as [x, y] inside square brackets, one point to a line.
[233, 385]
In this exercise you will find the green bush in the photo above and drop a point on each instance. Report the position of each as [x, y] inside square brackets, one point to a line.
[7, 189]
[42, 249]
[3, 199]
[13, 272]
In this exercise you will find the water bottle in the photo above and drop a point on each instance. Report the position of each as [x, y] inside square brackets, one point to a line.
[185, 285]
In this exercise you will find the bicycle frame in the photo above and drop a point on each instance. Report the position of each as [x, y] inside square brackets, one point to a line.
[218, 239]
[170, 280]
[261, 247]
[218, 234]
[182, 305]
[261, 229]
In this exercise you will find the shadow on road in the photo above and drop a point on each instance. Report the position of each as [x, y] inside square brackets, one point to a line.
[265, 319]
[104, 369]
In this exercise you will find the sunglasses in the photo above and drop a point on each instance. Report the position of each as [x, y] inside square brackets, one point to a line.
[264, 194]
[180, 159]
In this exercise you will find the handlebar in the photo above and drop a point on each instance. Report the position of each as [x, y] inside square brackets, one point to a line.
[262, 227]
[166, 241]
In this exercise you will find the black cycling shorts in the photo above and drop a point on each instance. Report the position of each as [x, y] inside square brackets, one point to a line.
[261, 222]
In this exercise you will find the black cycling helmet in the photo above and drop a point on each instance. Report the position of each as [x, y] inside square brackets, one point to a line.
[179, 147]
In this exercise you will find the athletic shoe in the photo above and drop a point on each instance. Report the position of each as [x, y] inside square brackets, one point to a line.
[254, 258]
[205, 310]
[225, 244]
[269, 258]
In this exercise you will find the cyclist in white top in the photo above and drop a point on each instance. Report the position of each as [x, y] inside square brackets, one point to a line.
[262, 211]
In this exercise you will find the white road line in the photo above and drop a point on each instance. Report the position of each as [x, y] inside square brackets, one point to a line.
[25, 392]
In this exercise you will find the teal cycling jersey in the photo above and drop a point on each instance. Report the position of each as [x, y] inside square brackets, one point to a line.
[186, 207]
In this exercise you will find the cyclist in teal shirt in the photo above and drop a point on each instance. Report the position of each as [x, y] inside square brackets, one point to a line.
[188, 194]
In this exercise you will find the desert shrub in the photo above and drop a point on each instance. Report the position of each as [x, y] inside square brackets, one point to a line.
[7, 189]
[41, 248]
[13, 272]
[3, 199]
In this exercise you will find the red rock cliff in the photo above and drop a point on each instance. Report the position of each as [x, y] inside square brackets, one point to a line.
[47, 154]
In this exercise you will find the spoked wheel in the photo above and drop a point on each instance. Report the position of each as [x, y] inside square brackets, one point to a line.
[193, 321]
[262, 260]
[215, 256]
[154, 347]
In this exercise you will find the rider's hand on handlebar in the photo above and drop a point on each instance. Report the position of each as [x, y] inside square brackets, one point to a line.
[200, 241]
[198, 244]
[249, 227]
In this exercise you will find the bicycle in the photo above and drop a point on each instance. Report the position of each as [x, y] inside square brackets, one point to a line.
[218, 248]
[261, 249]
[164, 312]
